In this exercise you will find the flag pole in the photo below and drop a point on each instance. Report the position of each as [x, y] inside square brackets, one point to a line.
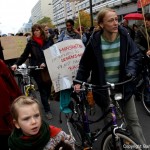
[80, 23]
[147, 36]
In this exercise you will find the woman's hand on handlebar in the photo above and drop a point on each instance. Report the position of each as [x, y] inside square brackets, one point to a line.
[148, 53]
[14, 67]
[77, 88]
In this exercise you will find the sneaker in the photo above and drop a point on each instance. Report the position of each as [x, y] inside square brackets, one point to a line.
[49, 115]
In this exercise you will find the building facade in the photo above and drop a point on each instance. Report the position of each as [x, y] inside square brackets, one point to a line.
[43, 8]
[63, 10]
[59, 10]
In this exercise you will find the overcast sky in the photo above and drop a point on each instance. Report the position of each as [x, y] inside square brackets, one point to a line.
[13, 13]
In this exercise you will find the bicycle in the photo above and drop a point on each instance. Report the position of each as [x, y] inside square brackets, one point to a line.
[78, 124]
[25, 81]
[143, 86]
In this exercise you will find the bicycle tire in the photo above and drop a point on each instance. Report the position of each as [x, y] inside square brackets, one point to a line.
[20, 84]
[76, 131]
[146, 106]
[124, 143]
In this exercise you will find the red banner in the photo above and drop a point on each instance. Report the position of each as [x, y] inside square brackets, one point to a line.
[142, 3]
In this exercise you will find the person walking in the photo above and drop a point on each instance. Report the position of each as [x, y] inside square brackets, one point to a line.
[130, 30]
[70, 32]
[35, 47]
[9, 90]
[142, 43]
[31, 132]
[112, 56]
[141, 37]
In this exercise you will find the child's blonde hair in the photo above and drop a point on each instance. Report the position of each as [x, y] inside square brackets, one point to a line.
[22, 101]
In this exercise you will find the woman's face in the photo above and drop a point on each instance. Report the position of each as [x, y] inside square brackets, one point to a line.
[29, 119]
[37, 32]
[46, 30]
[110, 22]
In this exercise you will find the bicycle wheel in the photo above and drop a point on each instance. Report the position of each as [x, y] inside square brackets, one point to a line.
[20, 84]
[76, 131]
[123, 142]
[146, 99]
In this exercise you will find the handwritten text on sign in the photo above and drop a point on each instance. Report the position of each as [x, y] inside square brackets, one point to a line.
[63, 61]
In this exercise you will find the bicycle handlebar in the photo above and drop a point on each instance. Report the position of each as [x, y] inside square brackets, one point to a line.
[34, 67]
[24, 71]
[108, 85]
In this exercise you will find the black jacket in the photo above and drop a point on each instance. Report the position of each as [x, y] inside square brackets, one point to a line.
[92, 61]
[141, 40]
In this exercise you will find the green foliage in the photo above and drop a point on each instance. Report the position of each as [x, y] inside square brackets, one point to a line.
[85, 19]
[46, 20]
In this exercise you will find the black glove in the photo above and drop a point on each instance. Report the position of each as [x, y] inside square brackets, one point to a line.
[129, 76]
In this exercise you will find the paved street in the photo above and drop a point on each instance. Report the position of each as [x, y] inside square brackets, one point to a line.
[144, 120]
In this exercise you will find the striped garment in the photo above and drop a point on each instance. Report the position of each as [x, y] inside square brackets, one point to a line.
[111, 56]
[56, 139]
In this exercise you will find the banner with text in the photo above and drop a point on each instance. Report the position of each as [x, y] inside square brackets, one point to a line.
[63, 61]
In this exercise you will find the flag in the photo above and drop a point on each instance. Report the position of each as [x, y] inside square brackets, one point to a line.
[142, 3]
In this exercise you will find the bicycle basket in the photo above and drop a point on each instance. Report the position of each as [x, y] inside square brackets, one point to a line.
[65, 100]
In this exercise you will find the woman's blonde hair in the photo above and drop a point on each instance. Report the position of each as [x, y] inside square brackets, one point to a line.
[22, 101]
[102, 13]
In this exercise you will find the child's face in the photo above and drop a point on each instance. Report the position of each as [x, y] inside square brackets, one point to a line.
[29, 119]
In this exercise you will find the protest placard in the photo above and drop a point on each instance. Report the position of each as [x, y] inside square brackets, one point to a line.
[13, 46]
[63, 61]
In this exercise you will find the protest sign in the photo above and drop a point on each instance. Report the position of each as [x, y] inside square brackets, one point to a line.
[63, 61]
[13, 46]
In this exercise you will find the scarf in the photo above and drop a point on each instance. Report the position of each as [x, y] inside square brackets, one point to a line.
[73, 34]
[38, 40]
[18, 141]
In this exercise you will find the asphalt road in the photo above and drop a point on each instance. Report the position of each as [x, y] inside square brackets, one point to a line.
[143, 117]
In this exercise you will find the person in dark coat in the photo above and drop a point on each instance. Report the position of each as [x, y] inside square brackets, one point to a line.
[141, 37]
[130, 31]
[142, 43]
[35, 47]
[112, 56]
[9, 90]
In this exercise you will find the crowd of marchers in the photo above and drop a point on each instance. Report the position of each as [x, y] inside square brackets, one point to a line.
[113, 53]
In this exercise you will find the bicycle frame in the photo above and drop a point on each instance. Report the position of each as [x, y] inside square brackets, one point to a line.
[88, 135]
[26, 79]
